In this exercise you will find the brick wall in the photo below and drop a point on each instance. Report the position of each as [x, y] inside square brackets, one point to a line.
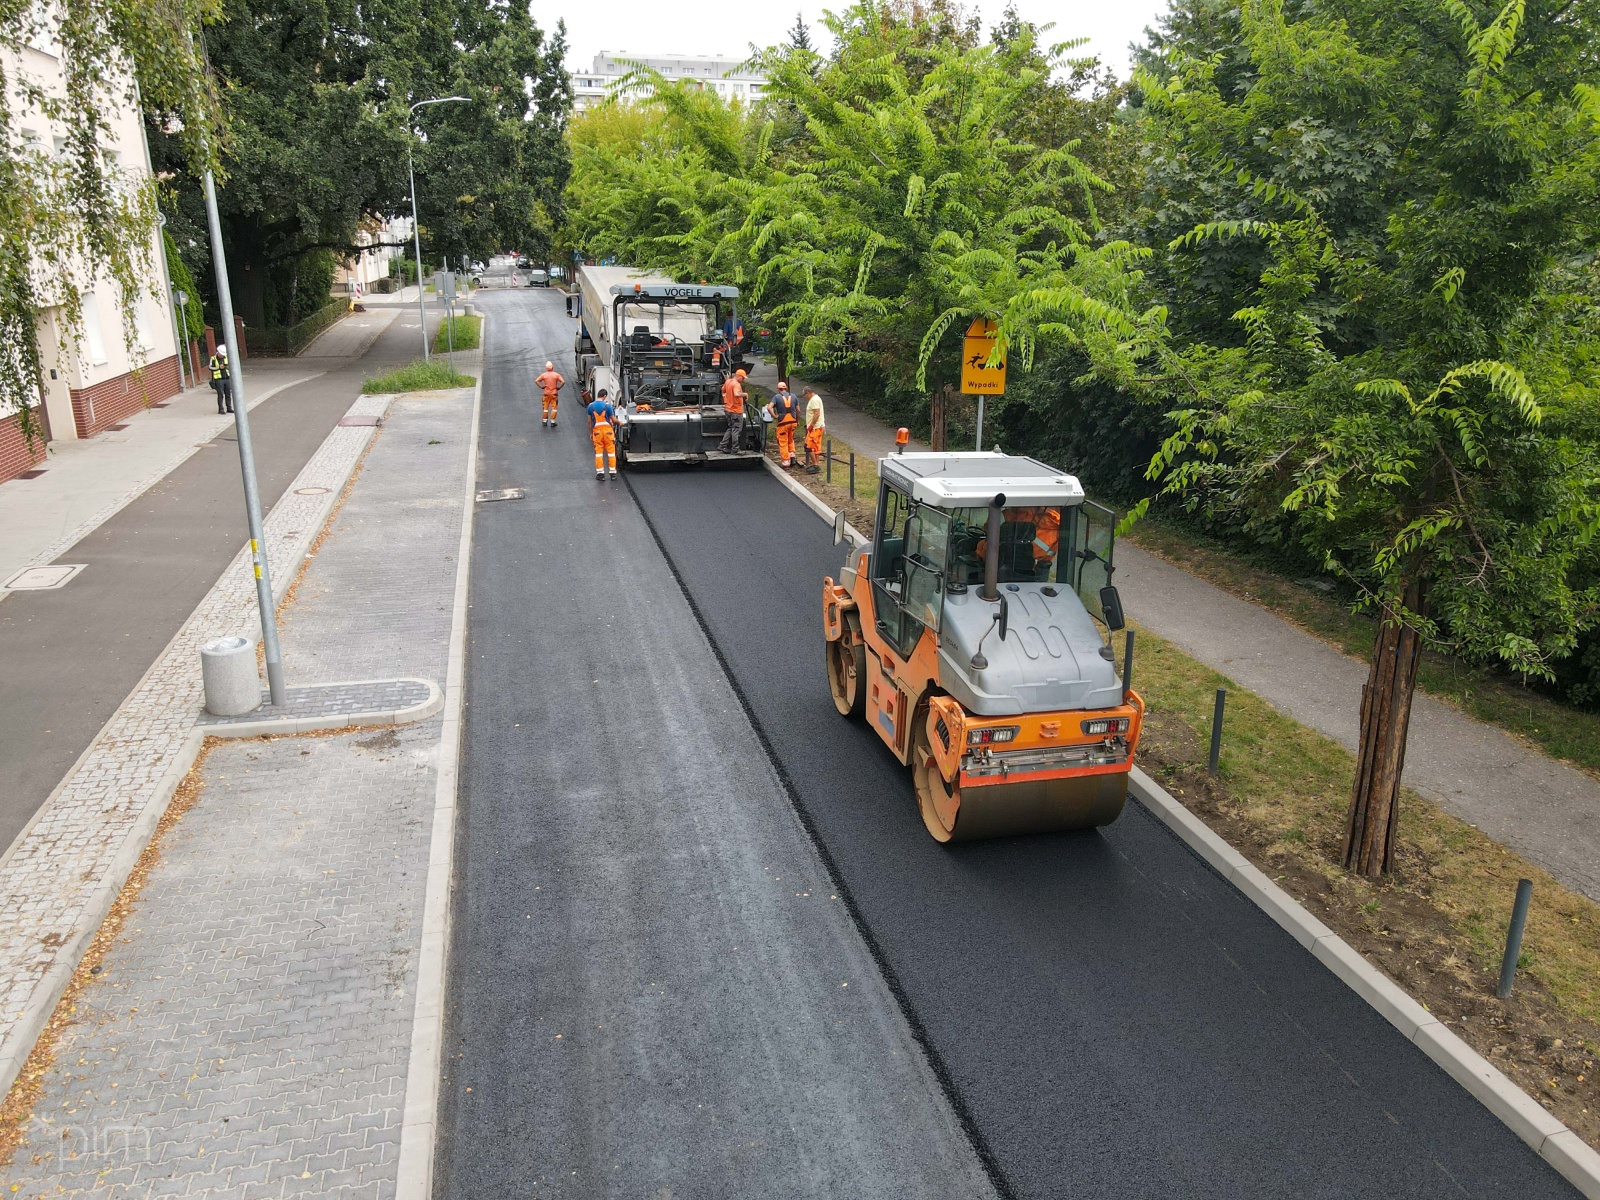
[16, 455]
[94, 408]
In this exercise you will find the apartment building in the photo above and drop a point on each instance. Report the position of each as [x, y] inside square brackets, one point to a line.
[726, 76]
[100, 377]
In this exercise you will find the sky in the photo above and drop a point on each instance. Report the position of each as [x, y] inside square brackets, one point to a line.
[685, 27]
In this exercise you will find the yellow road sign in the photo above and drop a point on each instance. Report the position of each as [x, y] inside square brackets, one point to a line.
[978, 378]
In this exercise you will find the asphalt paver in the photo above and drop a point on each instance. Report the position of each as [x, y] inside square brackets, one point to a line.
[1112, 1017]
[654, 989]
[72, 655]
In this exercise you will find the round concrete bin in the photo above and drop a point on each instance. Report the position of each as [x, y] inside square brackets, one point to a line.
[228, 667]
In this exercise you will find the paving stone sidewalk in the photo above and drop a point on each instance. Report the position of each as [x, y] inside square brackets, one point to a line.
[1542, 808]
[249, 1033]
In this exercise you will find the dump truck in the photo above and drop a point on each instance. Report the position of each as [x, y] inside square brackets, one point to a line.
[974, 636]
[663, 351]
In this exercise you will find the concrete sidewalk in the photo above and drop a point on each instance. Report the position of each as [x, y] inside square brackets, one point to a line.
[1545, 810]
[250, 1031]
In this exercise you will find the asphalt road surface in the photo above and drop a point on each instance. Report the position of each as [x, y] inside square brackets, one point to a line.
[1113, 1017]
[72, 656]
[654, 990]
[649, 963]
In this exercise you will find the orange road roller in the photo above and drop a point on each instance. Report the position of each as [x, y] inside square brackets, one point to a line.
[974, 637]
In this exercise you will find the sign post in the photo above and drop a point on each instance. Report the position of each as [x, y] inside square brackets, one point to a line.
[978, 377]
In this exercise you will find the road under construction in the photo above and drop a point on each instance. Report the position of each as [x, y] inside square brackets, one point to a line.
[704, 945]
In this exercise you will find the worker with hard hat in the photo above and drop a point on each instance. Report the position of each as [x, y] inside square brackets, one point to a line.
[785, 414]
[603, 433]
[221, 379]
[550, 383]
[733, 403]
[814, 431]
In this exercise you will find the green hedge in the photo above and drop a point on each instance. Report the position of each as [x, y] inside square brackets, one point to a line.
[292, 339]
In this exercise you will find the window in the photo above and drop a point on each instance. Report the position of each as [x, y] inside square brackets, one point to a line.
[927, 537]
[142, 337]
[92, 334]
[1030, 545]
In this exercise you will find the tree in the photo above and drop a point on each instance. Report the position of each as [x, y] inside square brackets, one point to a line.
[800, 34]
[317, 93]
[1409, 181]
[61, 211]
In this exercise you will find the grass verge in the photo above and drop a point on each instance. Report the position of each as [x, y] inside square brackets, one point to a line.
[464, 329]
[1557, 729]
[418, 376]
[1436, 927]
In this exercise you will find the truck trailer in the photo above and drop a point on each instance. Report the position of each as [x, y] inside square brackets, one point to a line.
[662, 351]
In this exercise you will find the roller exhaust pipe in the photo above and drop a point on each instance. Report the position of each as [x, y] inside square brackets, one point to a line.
[991, 556]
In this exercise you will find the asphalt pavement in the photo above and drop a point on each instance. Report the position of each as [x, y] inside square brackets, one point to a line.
[654, 989]
[1111, 1016]
[72, 655]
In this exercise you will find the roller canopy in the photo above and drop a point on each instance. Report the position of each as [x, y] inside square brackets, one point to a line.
[974, 478]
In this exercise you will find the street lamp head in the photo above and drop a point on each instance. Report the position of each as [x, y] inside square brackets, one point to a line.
[438, 100]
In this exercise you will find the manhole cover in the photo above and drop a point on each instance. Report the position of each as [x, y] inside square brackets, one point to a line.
[489, 494]
[312, 491]
[41, 579]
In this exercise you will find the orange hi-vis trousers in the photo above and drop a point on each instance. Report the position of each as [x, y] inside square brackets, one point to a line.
[550, 399]
[814, 441]
[605, 443]
[786, 440]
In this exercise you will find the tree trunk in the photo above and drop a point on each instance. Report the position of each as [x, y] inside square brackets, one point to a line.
[1381, 755]
[939, 419]
[780, 355]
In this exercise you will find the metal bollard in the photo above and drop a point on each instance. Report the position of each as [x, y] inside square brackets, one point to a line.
[1216, 729]
[827, 460]
[852, 474]
[1519, 922]
[1127, 667]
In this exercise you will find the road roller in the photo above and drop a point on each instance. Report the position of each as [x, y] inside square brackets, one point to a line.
[974, 636]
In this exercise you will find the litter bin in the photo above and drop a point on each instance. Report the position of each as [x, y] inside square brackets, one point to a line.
[228, 669]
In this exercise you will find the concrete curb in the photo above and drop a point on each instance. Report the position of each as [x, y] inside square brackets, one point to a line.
[1518, 1111]
[41, 1005]
[809, 499]
[419, 1122]
[1564, 1150]
[281, 726]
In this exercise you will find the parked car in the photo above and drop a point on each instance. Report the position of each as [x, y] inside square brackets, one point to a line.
[478, 268]
[538, 278]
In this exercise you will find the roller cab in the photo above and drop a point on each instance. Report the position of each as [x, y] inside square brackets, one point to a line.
[973, 635]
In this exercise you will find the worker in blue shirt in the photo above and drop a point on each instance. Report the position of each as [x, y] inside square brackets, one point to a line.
[603, 432]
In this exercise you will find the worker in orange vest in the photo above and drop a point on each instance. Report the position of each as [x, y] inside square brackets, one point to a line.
[733, 404]
[603, 433]
[550, 383]
[785, 413]
[1046, 524]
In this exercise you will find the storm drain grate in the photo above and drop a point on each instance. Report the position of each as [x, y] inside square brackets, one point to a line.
[488, 495]
[41, 579]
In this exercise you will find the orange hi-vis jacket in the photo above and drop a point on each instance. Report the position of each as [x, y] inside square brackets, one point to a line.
[733, 397]
[550, 382]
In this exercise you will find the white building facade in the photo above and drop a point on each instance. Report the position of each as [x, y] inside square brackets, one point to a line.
[725, 76]
[98, 378]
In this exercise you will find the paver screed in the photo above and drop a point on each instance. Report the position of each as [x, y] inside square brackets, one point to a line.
[250, 1030]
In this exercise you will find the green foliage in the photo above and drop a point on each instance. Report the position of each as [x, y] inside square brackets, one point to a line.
[1386, 202]
[318, 92]
[62, 208]
[417, 376]
[193, 319]
[879, 198]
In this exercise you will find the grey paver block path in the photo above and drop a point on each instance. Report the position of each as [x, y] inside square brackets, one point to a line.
[250, 1033]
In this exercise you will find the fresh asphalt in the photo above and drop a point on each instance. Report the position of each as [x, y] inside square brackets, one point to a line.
[71, 656]
[654, 990]
[1102, 1013]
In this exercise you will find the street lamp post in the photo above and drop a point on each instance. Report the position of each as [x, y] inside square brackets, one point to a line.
[416, 229]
